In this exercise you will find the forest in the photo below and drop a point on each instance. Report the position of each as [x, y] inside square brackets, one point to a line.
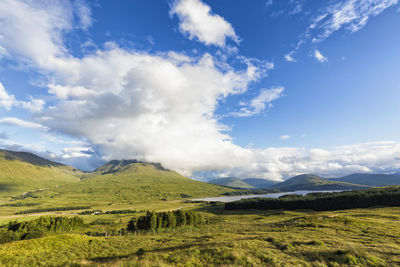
[389, 196]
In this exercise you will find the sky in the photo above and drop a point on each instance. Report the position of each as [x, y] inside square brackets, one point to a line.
[251, 89]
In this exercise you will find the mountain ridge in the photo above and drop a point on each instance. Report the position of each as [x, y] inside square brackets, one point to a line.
[23, 171]
[370, 179]
[314, 182]
[232, 182]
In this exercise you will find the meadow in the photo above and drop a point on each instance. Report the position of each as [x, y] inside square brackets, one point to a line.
[358, 237]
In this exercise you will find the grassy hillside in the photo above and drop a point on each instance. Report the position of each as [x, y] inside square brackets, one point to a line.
[259, 183]
[232, 182]
[21, 172]
[370, 179]
[314, 182]
[130, 185]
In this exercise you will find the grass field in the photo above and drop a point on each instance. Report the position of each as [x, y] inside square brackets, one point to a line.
[360, 237]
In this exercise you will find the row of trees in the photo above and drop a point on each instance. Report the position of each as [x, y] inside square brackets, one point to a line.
[389, 196]
[153, 221]
[251, 192]
[53, 209]
[39, 227]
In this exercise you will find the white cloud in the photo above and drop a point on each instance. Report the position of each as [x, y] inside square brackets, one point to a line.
[296, 6]
[285, 137]
[157, 107]
[77, 152]
[352, 15]
[84, 14]
[269, 2]
[33, 29]
[319, 56]
[288, 57]
[279, 163]
[34, 105]
[7, 101]
[197, 22]
[113, 100]
[22, 123]
[260, 102]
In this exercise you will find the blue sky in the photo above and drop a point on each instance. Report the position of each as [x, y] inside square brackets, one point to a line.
[265, 89]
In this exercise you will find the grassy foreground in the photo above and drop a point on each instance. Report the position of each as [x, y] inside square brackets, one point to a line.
[359, 237]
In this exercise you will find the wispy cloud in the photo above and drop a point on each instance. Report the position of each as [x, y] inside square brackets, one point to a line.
[321, 58]
[285, 137]
[22, 123]
[8, 101]
[288, 57]
[260, 102]
[352, 15]
[348, 15]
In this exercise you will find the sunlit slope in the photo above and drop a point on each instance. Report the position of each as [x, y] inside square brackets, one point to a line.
[127, 183]
[314, 182]
[231, 182]
[21, 172]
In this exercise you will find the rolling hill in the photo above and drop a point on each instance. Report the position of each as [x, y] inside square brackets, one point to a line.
[314, 182]
[259, 183]
[22, 171]
[370, 179]
[232, 182]
[127, 183]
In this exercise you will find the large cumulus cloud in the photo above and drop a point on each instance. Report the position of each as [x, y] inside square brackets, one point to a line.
[157, 107]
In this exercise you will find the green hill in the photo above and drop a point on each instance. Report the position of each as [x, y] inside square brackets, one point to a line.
[232, 182]
[128, 183]
[259, 183]
[21, 172]
[370, 179]
[314, 182]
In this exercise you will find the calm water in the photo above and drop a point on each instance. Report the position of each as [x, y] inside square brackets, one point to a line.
[271, 195]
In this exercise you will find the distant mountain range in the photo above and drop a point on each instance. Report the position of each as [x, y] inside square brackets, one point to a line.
[371, 179]
[248, 183]
[21, 172]
[314, 182]
[232, 182]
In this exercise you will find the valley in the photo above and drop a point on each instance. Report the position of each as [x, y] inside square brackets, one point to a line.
[107, 200]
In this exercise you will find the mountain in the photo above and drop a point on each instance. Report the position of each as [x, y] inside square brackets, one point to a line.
[131, 183]
[232, 182]
[370, 179]
[23, 171]
[314, 182]
[259, 183]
